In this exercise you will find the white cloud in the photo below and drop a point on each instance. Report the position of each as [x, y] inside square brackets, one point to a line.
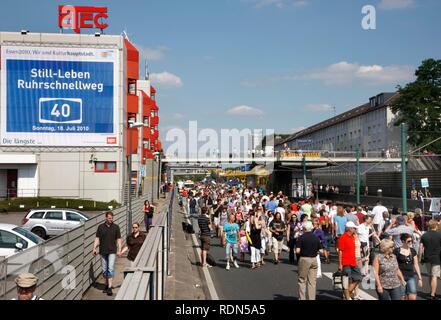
[178, 116]
[151, 54]
[318, 107]
[396, 4]
[166, 79]
[344, 72]
[278, 3]
[245, 111]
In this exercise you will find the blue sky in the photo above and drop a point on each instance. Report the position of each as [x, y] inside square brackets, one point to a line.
[282, 63]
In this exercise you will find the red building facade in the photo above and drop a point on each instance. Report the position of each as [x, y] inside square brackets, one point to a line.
[141, 107]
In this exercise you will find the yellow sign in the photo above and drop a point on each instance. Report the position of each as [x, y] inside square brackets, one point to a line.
[299, 155]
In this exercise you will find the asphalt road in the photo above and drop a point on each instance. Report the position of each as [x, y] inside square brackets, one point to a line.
[276, 282]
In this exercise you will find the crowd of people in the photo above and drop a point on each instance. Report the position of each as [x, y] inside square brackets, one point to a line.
[362, 242]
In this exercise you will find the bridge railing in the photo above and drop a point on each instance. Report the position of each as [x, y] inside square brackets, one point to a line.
[145, 280]
[281, 155]
[64, 265]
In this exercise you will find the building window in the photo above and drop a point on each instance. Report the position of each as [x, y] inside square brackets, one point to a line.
[105, 166]
[132, 86]
[131, 119]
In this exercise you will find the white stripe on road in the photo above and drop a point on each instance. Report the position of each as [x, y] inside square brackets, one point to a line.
[364, 295]
[208, 279]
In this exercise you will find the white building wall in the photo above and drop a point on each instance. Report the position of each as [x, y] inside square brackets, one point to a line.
[27, 182]
[27, 179]
[370, 132]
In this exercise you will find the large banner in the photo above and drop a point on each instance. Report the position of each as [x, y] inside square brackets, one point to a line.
[53, 96]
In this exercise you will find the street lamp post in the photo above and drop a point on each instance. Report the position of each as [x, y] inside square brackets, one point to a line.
[132, 125]
[358, 177]
[304, 177]
[403, 167]
[158, 155]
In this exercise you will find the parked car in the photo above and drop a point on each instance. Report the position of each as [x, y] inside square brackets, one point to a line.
[52, 222]
[14, 239]
[22, 251]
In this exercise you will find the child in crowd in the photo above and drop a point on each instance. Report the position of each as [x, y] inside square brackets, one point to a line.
[243, 245]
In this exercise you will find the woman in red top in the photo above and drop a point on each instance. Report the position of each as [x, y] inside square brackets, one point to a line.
[148, 215]
[294, 208]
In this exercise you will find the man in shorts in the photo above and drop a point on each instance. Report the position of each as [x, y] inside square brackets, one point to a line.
[348, 262]
[205, 228]
[431, 247]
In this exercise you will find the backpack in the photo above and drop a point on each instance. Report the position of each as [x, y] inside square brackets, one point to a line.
[193, 203]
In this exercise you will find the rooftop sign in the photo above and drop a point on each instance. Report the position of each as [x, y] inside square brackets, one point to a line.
[79, 17]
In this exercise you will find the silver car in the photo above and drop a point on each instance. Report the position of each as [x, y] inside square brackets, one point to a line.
[52, 222]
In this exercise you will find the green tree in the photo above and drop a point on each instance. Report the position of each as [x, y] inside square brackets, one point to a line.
[419, 106]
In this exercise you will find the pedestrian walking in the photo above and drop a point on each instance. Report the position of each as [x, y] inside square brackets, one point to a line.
[308, 248]
[326, 226]
[407, 258]
[205, 228]
[256, 240]
[26, 285]
[377, 212]
[148, 215]
[192, 203]
[339, 225]
[365, 231]
[397, 228]
[348, 261]
[389, 280]
[108, 238]
[134, 243]
[230, 240]
[277, 227]
[290, 233]
[431, 249]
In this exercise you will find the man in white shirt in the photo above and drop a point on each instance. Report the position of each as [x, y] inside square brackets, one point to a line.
[282, 211]
[332, 213]
[364, 232]
[377, 212]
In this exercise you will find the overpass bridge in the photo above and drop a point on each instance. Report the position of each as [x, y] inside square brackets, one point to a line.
[320, 158]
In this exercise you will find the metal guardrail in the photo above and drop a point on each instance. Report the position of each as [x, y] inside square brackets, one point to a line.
[64, 265]
[146, 279]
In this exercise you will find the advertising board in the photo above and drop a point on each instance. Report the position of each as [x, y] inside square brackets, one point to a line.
[59, 96]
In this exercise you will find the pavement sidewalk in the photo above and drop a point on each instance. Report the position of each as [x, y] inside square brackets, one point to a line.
[95, 291]
[185, 281]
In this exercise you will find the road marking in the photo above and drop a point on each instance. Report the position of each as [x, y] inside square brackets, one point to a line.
[208, 279]
[364, 295]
